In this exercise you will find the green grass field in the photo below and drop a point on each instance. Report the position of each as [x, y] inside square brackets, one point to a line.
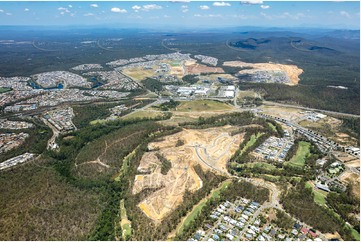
[4, 89]
[263, 165]
[125, 223]
[196, 210]
[355, 234]
[143, 114]
[320, 197]
[251, 142]
[202, 105]
[303, 151]
[272, 127]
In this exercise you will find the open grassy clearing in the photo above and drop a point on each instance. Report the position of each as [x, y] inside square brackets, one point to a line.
[138, 73]
[320, 197]
[251, 142]
[272, 127]
[143, 114]
[4, 89]
[303, 151]
[263, 165]
[355, 234]
[203, 105]
[125, 224]
[197, 208]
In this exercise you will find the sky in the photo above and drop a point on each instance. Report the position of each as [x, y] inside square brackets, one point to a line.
[321, 14]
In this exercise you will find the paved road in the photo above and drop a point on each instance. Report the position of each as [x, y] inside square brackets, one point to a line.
[310, 109]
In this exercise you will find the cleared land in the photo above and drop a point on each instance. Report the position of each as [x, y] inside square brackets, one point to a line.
[320, 196]
[211, 148]
[302, 152]
[203, 105]
[143, 114]
[125, 224]
[194, 68]
[139, 73]
[353, 179]
[330, 128]
[291, 114]
[292, 71]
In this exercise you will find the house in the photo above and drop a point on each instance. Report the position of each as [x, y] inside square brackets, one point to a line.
[268, 238]
[250, 231]
[297, 226]
[313, 234]
[281, 236]
[273, 232]
[261, 238]
[304, 230]
[248, 236]
[201, 232]
[234, 232]
[294, 232]
[215, 237]
[255, 229]
[208, 226]
[257, 222]
[229, 236]
[239, 225]
[222, 227]
[243, 220]
[247, 213]
[245, 216]
[255, 204]
[302, 237]
[267, 229]
[232, 221]
[197, 236]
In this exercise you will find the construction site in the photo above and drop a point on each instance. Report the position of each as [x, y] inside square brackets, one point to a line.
[210, 148]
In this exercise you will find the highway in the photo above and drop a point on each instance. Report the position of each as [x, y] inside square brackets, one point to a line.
[310, 109]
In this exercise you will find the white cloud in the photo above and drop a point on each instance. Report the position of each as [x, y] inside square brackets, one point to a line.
[118, 10]
[94, 5]
[184, 8]
[136, 7]
[8, 14]
[88, 14]
[208, 15]
[1, 11]
[204, 7]
[265, 6]
[221, 4]
[252, 2]
[345, 14]
[70, 6]
[64, 10]
[151, 7]
[26, 10]
[166, 16]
